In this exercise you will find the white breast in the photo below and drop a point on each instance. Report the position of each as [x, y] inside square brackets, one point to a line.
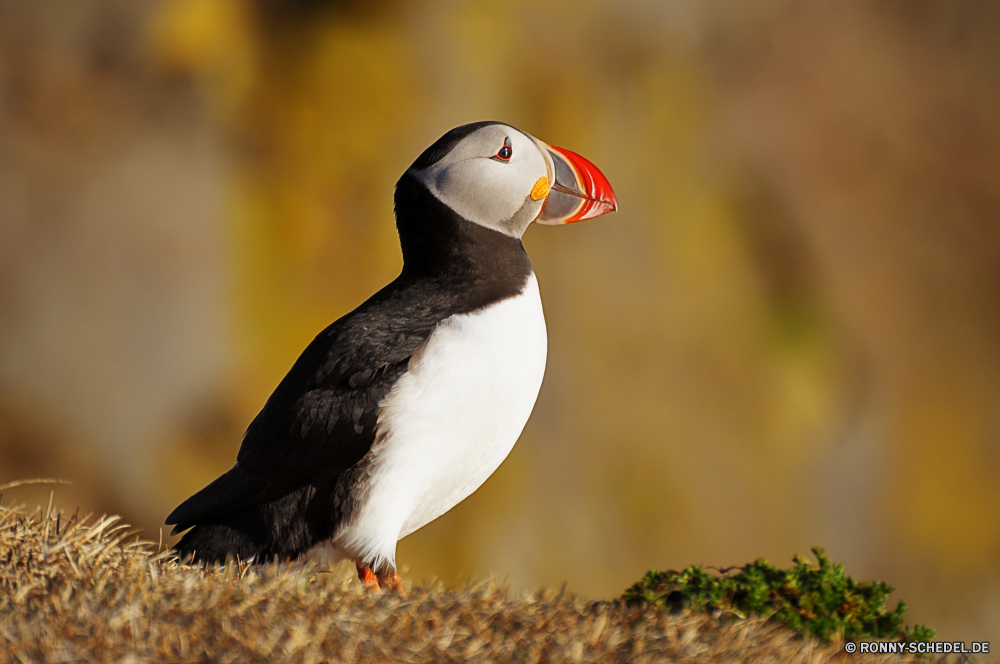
[450, 421]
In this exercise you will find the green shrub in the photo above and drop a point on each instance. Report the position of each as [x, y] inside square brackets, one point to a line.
[818, 601]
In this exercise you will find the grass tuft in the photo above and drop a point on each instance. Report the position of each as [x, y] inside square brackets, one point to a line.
[814, 600]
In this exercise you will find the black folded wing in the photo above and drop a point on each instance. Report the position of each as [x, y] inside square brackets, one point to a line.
[322, 417]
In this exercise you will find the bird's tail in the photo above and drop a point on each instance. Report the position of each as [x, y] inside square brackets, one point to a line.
[240, 517]
[230, 492]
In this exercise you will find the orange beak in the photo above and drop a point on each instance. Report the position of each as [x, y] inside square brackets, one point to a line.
[579, 190]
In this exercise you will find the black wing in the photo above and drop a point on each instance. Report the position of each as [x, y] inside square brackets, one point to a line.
[321, 418]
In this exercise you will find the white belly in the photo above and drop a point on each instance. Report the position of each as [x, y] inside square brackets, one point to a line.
[450, 421]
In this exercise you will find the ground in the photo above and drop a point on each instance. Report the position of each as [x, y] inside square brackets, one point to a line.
[75, 589]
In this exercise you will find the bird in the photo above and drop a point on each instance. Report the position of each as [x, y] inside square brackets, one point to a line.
[403, 407]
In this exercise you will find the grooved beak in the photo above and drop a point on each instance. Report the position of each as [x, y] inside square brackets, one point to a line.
[579, 190]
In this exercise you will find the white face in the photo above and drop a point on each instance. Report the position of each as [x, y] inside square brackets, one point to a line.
[475, 180]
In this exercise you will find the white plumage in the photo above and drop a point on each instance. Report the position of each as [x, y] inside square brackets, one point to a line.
[448, 423]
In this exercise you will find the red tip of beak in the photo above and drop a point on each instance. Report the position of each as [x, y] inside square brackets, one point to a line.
[599, 196]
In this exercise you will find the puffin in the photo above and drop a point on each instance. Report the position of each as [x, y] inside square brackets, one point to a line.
[402, 408]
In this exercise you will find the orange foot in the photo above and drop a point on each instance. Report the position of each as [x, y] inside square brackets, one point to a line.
[390, 581]
[368, 577]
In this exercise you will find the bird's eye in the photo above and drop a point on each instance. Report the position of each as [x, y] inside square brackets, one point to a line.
[505, 152]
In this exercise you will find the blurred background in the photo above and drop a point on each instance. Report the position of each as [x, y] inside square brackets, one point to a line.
[789, 336]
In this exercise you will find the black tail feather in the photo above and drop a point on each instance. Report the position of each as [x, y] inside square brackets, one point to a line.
[230, 492]
[282, 528]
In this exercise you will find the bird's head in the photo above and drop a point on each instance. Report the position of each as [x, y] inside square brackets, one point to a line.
[502, 178]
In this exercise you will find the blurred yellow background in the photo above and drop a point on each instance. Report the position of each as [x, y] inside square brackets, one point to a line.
[789, 336]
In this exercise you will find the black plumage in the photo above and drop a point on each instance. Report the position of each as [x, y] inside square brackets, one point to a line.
[303, 459]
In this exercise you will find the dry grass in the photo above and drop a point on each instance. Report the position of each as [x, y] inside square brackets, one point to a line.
[77, 591]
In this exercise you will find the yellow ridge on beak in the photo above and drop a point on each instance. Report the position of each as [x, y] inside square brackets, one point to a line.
[540, 190]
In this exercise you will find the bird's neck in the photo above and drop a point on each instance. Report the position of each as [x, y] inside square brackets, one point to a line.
[439, 244]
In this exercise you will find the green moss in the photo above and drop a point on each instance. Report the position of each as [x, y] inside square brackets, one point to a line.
[818, 601]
